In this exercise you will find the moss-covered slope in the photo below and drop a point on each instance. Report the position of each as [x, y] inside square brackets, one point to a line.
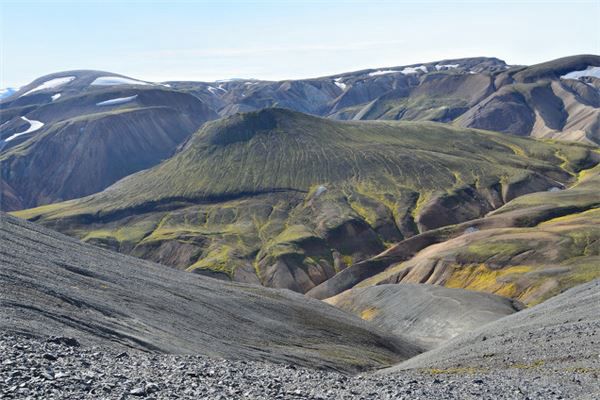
[289, 200]
[534, 247]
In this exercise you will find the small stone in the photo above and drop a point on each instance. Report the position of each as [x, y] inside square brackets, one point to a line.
[68, 341]
[137, 391]
[50, 357]
[151, 388]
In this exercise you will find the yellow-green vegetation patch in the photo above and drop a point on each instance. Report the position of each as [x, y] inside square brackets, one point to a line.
[45, 210]
[369, 313]
[218, 259]
[498, 250]
[294, 233]
[133, 233]
[484, 279]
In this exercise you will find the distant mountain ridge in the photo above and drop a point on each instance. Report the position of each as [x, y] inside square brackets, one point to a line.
[71, 134]
[321, 204]
[556, 99]
[559, 99]
[290, 200]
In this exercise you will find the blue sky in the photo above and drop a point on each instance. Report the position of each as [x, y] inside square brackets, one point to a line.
[208, 40]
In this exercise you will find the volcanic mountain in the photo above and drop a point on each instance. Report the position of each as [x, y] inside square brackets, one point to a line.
[71, 134]
[289, 200]
[77, 132]
[556, 99]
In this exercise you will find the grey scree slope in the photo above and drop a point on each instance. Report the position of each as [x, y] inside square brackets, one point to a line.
[51, 284]
[425, 314]
[561, 334]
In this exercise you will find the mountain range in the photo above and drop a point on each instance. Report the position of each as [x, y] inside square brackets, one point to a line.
[430, 205]
[282, 198]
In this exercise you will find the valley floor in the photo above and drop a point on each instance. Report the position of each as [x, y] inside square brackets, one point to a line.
[56, 369]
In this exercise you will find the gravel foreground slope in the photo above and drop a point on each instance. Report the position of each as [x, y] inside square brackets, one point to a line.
[51, 284]
[44, 369]
[551, 351]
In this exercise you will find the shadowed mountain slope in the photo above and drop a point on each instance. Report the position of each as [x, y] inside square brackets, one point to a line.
[54, 285]
[289, 200]
[65, 136]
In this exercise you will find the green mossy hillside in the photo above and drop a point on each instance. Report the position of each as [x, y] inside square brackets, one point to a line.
[288, 200]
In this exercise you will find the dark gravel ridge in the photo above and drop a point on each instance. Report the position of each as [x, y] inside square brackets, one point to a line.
[36, 368]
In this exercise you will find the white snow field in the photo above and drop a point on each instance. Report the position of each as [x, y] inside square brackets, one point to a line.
[118, 100]
[338, 82]
[440, 67]
[589, 71]
[51, 84]
[33, 126]
[116, 80]
[414, 70]
[383, 72]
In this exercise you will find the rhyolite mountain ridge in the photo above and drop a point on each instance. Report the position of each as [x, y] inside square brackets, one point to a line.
[386, 193]
[314, 204]
[51, 124]
[71, 134]
[289, 200]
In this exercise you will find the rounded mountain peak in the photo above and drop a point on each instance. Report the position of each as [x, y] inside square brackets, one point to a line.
[242, 127]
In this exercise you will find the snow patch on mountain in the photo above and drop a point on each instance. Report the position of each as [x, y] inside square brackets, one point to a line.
[589, 71]
[51, 84]
[33, 126]
[338, 82]
[118, 100]
[215, 90]
[320, 190]
[440, 67]
[7, 92]
[383, 72]
[116, 80]
[414, 70]
[56, 96]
